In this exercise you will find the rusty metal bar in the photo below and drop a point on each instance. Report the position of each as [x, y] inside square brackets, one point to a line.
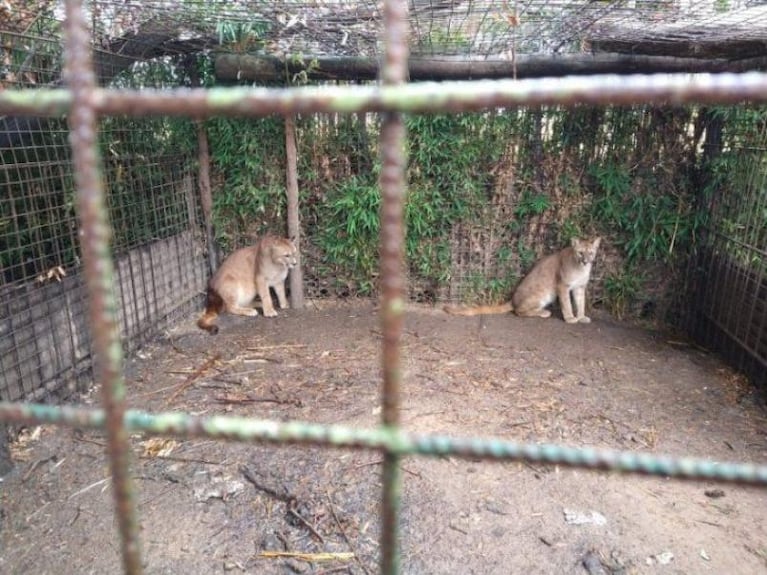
[390, 440]
[95, 237]
[393, 184]
[424, 97]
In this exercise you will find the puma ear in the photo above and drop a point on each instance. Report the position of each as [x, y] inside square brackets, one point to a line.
[596, 242]
[574, 242]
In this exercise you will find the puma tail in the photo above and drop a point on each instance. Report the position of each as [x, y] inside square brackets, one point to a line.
[479, 310]
[213, 306]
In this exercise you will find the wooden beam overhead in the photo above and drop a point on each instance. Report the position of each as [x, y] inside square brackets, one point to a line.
[267, 69]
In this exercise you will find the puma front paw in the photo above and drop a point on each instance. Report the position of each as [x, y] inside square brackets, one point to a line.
[571, 319]
[270, 313]
[584, 319]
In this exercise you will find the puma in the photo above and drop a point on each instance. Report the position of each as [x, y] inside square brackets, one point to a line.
[556, 275]
[245, 273]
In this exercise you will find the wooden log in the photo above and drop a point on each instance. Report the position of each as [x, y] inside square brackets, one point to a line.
[267, 69]
[736, 36]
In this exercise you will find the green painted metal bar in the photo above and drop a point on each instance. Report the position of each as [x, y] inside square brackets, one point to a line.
[393, 184]
[422, 97]
[387, 439]
[95, 237]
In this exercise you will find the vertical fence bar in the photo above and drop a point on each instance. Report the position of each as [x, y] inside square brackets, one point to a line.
[392, 183]
[95, 237]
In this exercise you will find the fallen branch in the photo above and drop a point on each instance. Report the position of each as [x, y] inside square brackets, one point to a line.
[343, 533]
[380, 461]
[310, 557]
[308, 525]
[262, 359]
[282, 346]
[235, 400]
[35, 465]
[193, 377]
[285, 496]
[165, 457]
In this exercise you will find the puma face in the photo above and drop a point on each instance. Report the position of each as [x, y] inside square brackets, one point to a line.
[283, 252]
[585, 251]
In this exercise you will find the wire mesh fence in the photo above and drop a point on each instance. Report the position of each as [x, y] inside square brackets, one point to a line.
[138, 261]
[728, 274]
[45, 347]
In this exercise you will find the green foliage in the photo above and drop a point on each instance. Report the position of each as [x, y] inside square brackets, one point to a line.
[649, 223]
[450, 161]
[531, 204]
[241, 36]
[722, 5]
[621, 289]
[480, 289]
[526, 254]
[248, 161]
[451, 157]
[34, 59]
[736, 188]
[349, 234]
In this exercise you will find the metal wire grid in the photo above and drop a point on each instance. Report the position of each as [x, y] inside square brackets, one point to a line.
[85, 102]
[440, 28]
[38, 229]
[44, 344]
[729, 277]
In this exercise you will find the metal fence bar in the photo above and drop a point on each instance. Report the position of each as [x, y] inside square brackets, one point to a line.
[387, 439]
[422, 97]
[83, 102]
[95, 236]
[392, 182]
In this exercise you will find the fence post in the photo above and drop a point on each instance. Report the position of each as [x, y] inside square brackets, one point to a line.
[6, 463]
[206, 196]
[294, 224]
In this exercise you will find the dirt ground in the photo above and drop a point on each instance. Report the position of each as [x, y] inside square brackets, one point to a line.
[211, 507]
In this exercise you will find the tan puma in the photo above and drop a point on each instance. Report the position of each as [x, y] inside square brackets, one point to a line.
[245, 273]
[556, 275]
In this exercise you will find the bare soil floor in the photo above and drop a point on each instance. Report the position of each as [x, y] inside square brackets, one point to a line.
[211, 507]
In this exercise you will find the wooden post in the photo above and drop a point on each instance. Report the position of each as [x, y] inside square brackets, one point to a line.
[206, 196]
[294, 226]
[6, 463]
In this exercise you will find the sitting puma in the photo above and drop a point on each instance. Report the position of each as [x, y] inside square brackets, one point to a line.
[245, 273]
[556, 275]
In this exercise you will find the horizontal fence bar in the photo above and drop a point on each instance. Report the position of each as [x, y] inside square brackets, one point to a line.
[389, 440]
[414, 98]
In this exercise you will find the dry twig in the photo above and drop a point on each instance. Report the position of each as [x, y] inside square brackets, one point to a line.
[285, 496]
[282, 346]
[310, 557]
[343, 533]
[308, 525]
[244, 400]
[193, 377]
